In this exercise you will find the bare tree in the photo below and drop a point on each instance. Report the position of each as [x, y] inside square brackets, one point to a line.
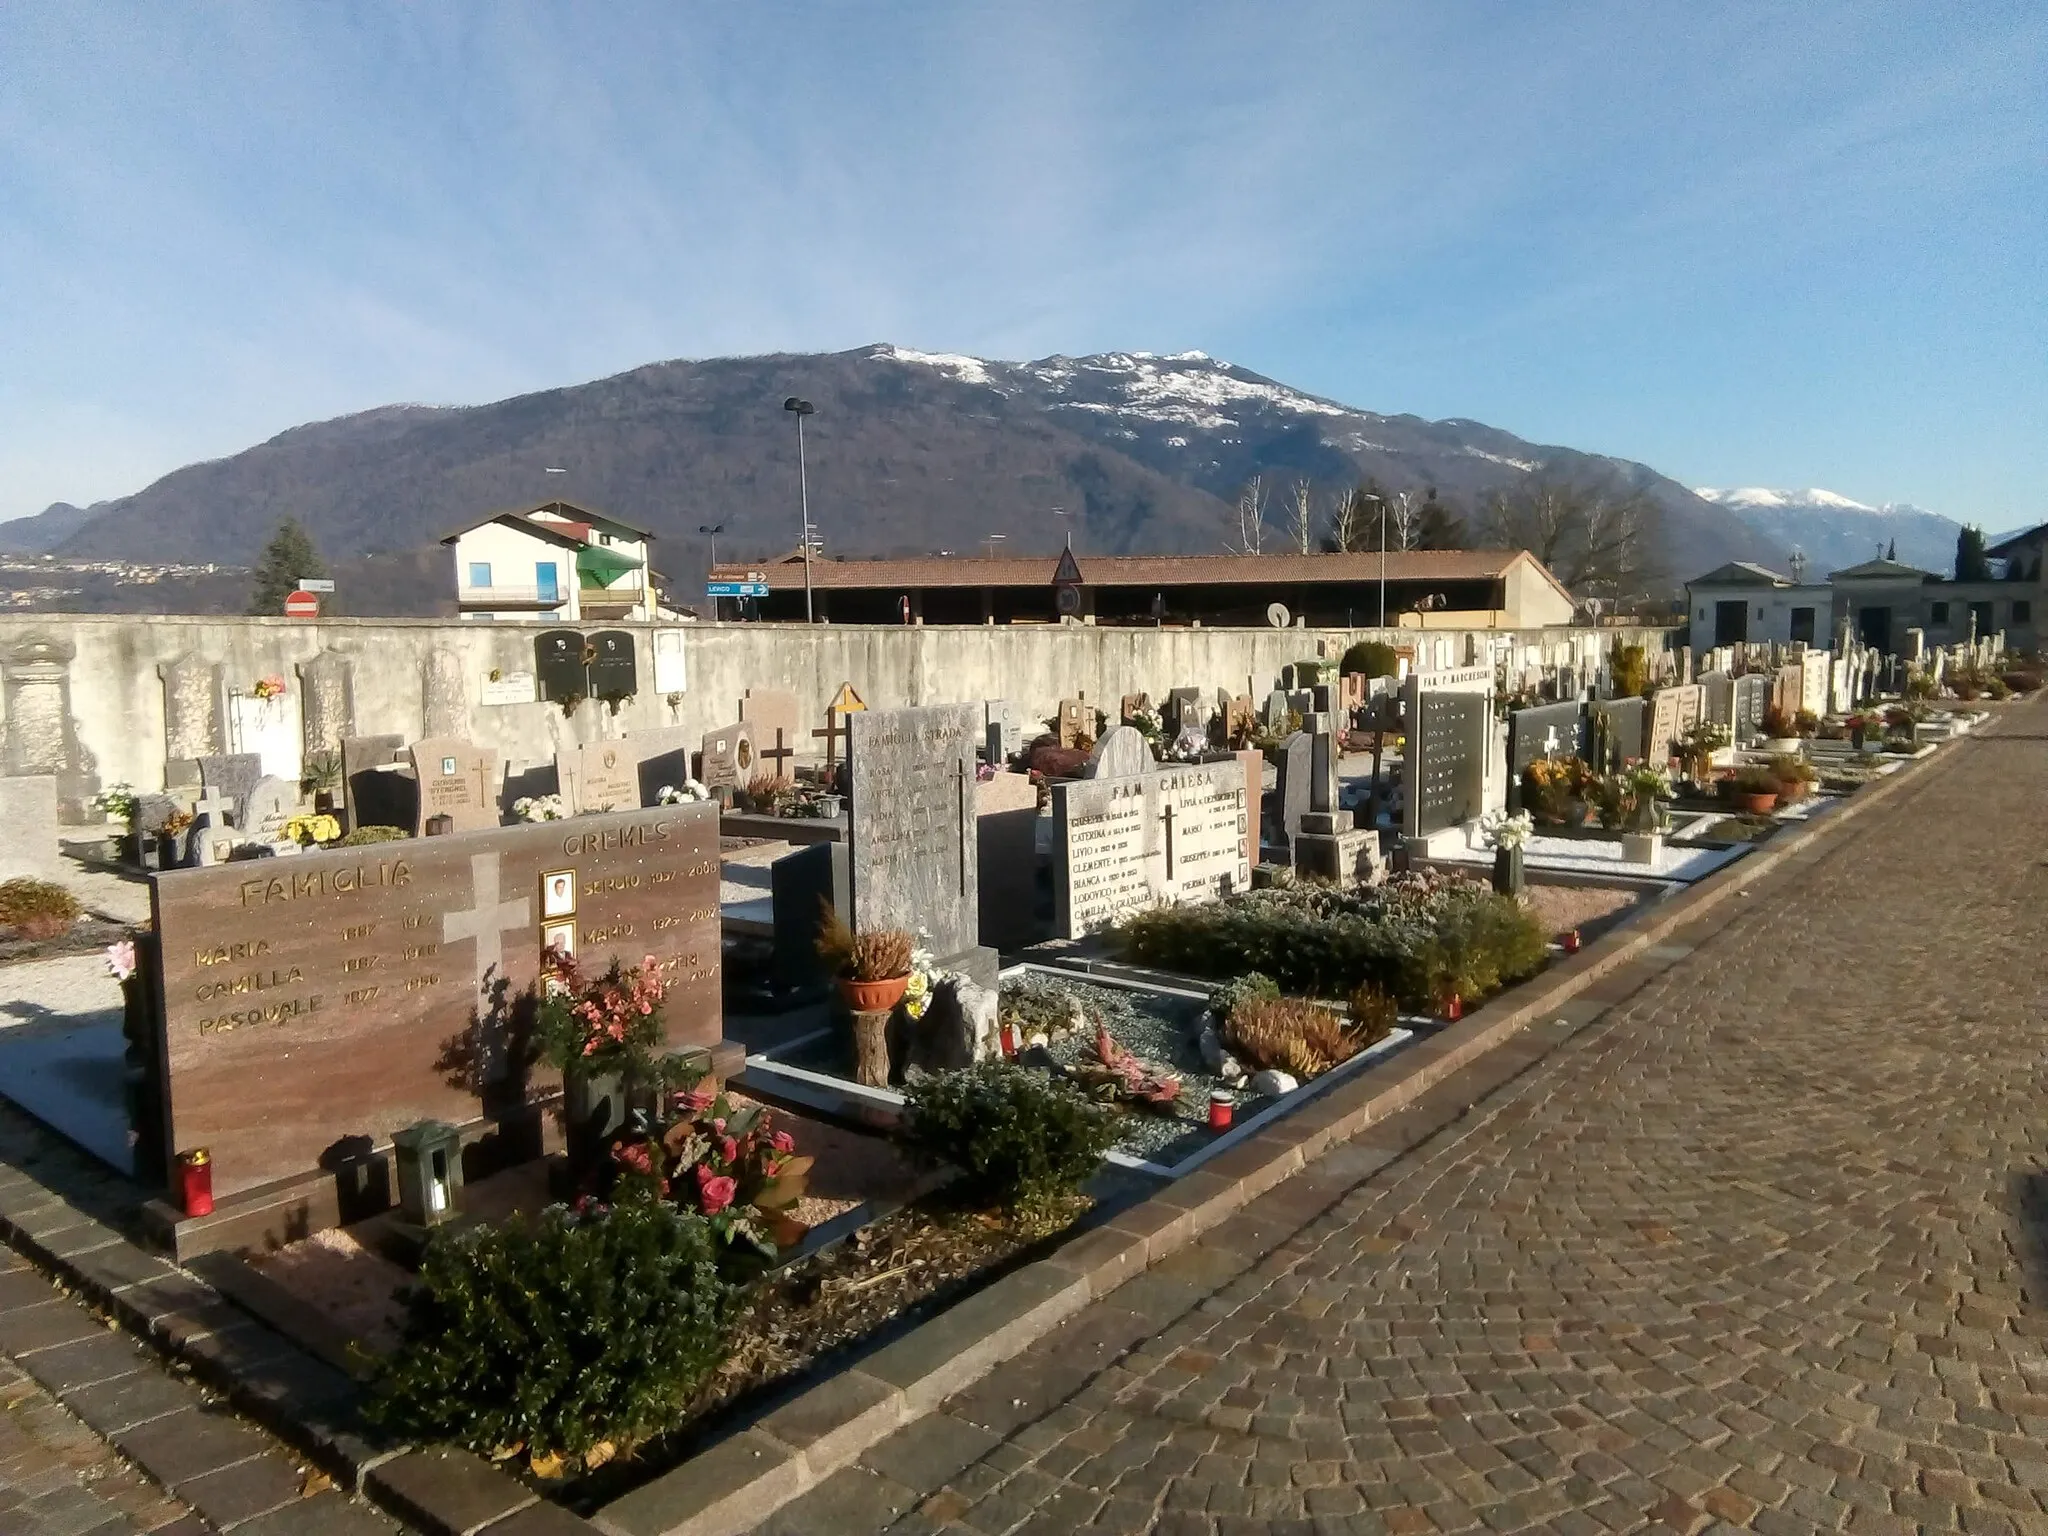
[1347, 521]
[1595, 539]
[1251, 517]
[1301, 516]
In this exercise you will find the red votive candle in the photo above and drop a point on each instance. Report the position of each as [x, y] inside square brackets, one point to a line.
[1571, 941]
[195, 1181]
[1221, 1107]
[1008, 1039]
[1454, 1007]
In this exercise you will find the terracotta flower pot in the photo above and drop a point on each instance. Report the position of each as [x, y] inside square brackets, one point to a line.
[873, 996]
[1758, 805]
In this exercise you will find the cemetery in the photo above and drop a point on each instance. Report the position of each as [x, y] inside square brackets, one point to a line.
[831, 1019]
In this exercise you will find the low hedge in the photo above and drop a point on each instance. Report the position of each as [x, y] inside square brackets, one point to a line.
[1418, 937]
[1021, 1141]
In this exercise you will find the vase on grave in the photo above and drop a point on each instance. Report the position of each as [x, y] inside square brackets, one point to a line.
[1507, 871]
[593, 1111]
[873, 996]
[1641, 847]
[170, 850]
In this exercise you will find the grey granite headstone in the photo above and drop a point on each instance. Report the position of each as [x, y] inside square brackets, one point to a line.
[1717, 698]
[1121, 845]
[193, 725]
[234, 775]
[911, 828]
[1297, 783]
[1123, 751]
[1006, 728]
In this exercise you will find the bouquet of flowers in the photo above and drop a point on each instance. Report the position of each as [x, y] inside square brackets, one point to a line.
[268, 687]
[541, 808]
[728, 1164]
[308, 830]
[1507, 831]
[669, 794]
[925, 976]
[121, 959]
[610, 1024]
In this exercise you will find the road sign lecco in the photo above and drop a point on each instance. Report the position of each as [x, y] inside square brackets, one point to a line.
[302, 605]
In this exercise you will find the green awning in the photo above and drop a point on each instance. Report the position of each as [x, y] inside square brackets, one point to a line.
[597, 566]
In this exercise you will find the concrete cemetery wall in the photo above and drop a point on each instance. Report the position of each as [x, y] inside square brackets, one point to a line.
[419, 677]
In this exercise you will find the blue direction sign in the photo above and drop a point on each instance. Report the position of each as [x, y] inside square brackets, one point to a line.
[736, 589]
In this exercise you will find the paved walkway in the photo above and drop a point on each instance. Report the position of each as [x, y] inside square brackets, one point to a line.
[1761, 1246]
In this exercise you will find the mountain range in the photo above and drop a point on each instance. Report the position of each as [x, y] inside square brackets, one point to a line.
[1833, 532]
[908, 452]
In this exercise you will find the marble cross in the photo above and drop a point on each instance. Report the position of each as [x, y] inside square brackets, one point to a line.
[212, 806]
[486, 919]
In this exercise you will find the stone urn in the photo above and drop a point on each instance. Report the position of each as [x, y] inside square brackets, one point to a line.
[1507, 871]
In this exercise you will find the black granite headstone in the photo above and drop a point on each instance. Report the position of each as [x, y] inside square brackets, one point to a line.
[1549, 730]
[559, 665]
[613, 671]
[1450, 759]
[801, 885]
[1620, 730]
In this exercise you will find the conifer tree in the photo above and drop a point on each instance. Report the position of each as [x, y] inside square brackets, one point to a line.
[287, 558]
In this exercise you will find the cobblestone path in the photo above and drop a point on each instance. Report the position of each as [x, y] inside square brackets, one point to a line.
[1761, 1246]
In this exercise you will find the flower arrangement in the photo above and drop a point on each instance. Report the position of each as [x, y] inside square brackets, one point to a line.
[178, 822]
[688, 793]
[306, 831]
[1507, 831]
[1644, 785]
[1113, 1075]
[121, 959]
[541, 808]
[1698, 746]
[1776, 724]
[611, 1024]
[1550, 785]
[1806, 723]
[925, 976]
[118, 800]
[725, 1162]
[271, 687]
[1148, 722]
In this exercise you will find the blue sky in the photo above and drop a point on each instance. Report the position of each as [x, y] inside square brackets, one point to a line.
[1750, 245]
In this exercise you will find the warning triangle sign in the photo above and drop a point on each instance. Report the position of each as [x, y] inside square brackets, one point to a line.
[1069, 572]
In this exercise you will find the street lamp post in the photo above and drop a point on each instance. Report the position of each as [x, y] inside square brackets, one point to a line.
[712, 534]
[1381, 503]
[800, 409]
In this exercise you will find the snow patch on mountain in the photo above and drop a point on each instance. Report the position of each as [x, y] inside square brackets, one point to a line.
[1764, 496]
[968, 370]
[1527, 466]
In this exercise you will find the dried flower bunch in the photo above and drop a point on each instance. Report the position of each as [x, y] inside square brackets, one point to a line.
[37, 909]
[1290, 1034]
[878, 954]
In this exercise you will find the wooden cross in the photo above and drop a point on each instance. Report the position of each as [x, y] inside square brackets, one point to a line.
[486, 919]
[777, 753]
[832, 732]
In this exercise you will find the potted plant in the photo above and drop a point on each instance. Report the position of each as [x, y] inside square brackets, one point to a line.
[1795, 777]
[120, 801]
[873, 965]
[604, 1035]
[172, 839]
[1697, 750]
[1779, 731]
[1806, 725]
[1644, 785]
[322, 780]
[1610, 797]
[1755, 789]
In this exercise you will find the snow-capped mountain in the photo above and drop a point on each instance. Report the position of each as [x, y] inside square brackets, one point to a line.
[1835, 531]
[909, 452]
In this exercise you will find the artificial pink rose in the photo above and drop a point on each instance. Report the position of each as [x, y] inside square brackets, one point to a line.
[714, 1191]
[782, 1141]
[729, 1150]
[696, 1101]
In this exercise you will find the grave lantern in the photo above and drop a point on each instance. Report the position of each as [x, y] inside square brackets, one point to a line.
[429, 1157]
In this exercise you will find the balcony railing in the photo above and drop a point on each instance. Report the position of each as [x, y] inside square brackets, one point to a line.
[511, 597]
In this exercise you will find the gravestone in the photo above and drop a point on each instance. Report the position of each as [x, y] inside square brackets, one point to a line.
[444, 695]
[614, 665]
[1005, 730]
[310, 1000]
[1751, 701]
[771, 716]
[728, 760]
[800, 886]
[1447, 760]
[272, 804]
[1073, 722]
[603, 776]
[1131, 705]
[911, 823]
[1241, 719]
[377, 789]
[1185, 706]
[1275, 710]
[558, 663]
[1692, 704]
[1006, 861]
[1122, 751]
[192, 715]
[1124, 844]
[457, 779]
[508, 688]
[1788, 688]
[1545, 731]
[1663, 729]
[663, 759]
[28, 827]
[1717, 699]
[267, 729]
[1253, 762]
[1296, 784]
[671, 672]
[327, 701]
[233, 775]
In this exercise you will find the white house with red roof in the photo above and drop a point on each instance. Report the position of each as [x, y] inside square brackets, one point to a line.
[556, 562]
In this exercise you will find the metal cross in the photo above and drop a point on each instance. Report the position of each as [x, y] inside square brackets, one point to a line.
[486, 919]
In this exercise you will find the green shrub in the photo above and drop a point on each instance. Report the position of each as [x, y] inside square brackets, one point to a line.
[567, 1334]
[1372, 658]
[40, 909]
[1021, 1140]
[359, 836]
[1630, 666]
[1408, 937]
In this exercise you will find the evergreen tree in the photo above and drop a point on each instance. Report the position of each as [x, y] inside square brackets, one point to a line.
[1440, 527]
[1891, 550]
[1971, 564]
[288, 556]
